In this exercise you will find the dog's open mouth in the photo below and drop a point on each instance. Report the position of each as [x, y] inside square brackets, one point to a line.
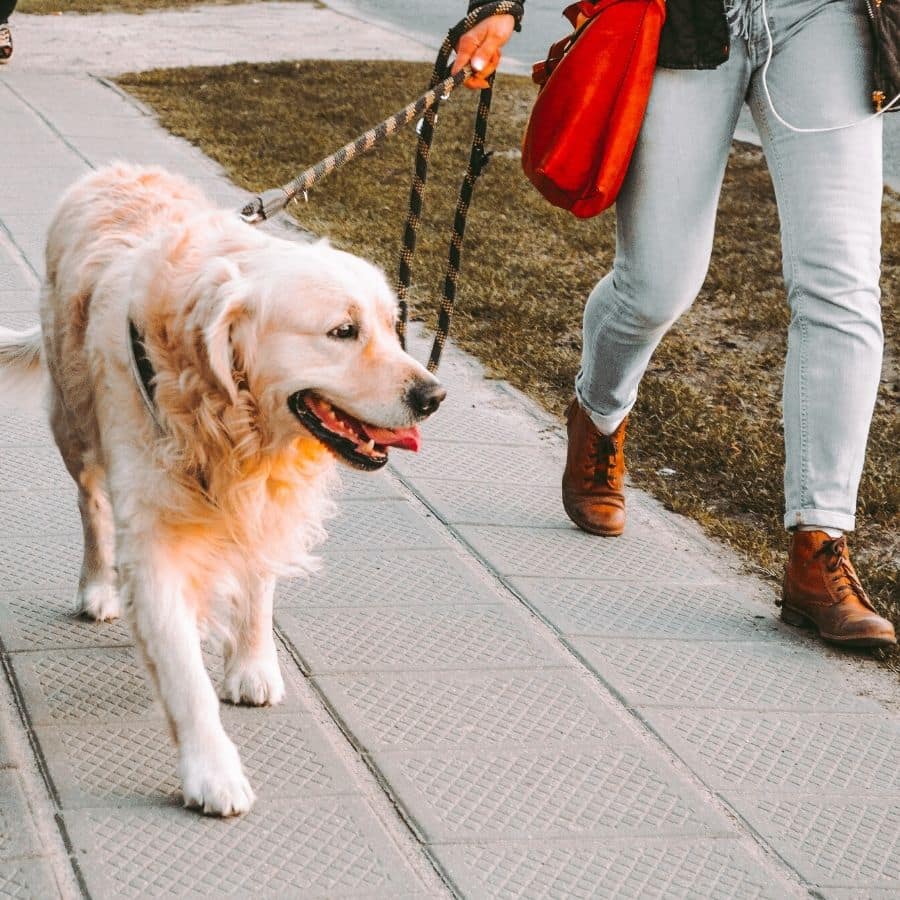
[362, 445]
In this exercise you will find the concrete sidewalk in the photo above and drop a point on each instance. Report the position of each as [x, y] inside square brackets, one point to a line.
[482, 700]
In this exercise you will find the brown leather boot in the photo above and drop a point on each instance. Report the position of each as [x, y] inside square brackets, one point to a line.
[823, 591]
[592, 485]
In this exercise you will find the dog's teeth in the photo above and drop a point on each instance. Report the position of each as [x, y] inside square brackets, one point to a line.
[370, 446]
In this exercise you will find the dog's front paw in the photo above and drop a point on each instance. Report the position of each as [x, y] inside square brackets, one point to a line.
[256, 682]
[99, 601]
[213, 781]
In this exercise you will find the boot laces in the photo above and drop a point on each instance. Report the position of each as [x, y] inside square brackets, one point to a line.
[606, 450]
[843, 576]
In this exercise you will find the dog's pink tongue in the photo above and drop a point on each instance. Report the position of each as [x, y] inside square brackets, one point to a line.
[404, 438]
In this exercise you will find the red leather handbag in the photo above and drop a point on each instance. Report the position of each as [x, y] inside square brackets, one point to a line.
[594, 90]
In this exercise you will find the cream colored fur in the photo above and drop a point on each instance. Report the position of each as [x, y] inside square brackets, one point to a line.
[188, 521]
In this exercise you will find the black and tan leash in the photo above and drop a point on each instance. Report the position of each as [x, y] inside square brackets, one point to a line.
[270, 202]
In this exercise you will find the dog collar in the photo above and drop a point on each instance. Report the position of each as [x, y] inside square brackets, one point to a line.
[142, 370]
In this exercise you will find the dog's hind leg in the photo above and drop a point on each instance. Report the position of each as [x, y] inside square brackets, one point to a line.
[164, 621]
[252, 673]
[97, 596]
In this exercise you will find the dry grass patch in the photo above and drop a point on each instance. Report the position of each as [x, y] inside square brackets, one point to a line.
[55, 7]
[708, 407]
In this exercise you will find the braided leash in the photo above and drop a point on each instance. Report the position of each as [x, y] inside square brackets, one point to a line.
[270, 202]
[478, 159]
[274, 200]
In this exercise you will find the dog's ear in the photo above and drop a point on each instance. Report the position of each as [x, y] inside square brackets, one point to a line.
[225, 295]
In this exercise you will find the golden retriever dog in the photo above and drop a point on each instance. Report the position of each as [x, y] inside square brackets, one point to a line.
[202, 376]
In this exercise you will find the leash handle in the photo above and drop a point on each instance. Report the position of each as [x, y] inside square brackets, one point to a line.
[271, 202]
[478, 158]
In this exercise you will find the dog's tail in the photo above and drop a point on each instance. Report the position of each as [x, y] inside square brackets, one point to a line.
[21, 366]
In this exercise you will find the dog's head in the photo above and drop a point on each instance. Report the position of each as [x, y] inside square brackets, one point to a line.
[310, 332]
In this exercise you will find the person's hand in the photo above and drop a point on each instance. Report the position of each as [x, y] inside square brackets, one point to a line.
[480, 46]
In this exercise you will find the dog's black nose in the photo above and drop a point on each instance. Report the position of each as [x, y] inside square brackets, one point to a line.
[424, 397]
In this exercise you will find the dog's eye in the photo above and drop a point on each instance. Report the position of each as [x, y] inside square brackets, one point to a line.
[344, 332]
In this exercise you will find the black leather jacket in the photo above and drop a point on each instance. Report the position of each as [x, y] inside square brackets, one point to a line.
[695, 36]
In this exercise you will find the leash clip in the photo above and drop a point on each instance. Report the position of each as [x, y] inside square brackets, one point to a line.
[266, 205]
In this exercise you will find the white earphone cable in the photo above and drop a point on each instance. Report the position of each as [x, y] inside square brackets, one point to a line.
[775, 112]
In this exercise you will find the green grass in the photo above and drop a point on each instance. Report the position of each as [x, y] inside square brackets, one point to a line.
[709, 405]
[54, 7]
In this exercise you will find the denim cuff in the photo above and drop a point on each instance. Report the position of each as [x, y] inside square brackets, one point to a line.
[604, 424]
[822, 517]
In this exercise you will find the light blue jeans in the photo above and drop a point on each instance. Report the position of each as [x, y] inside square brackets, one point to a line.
[828, 187]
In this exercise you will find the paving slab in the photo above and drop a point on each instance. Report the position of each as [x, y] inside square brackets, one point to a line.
[593, 789]
[18, 300]
[752, 675]
[27, 879]
[46, 620]
[788, 752]
[398, 638]
[373, 526]
[321, 848]
[616, 869]
[637, 608]
[134, 763]
[539, 552]
[17, 835]
[389, 578]
[841, 841]
[438, 710]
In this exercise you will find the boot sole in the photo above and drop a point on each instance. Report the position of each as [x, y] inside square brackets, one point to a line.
[592, 529]
[794, 617]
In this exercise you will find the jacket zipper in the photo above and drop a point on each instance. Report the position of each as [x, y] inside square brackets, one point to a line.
[873, 8]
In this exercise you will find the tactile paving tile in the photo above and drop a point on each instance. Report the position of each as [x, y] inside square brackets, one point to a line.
[546, 552]
[18, 301]
[647, 609]
[40, 512]
[21, 320]
[796, 752]
[14, 277]
[72, 686]
[31, 564]
[411, 637]
[36, 468]
[642, 869]
[366, 486]
[17, 837]
[109, 684]
[443, 709]
[326, 847]
[46, 621]
[27, 879]
[458, 422]
[373, 525]
[582, 790]
[283, 756]
[481, 462]
[850, 841]
[508, 503]
[387, 578]
[857, 893]
[763, 675]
